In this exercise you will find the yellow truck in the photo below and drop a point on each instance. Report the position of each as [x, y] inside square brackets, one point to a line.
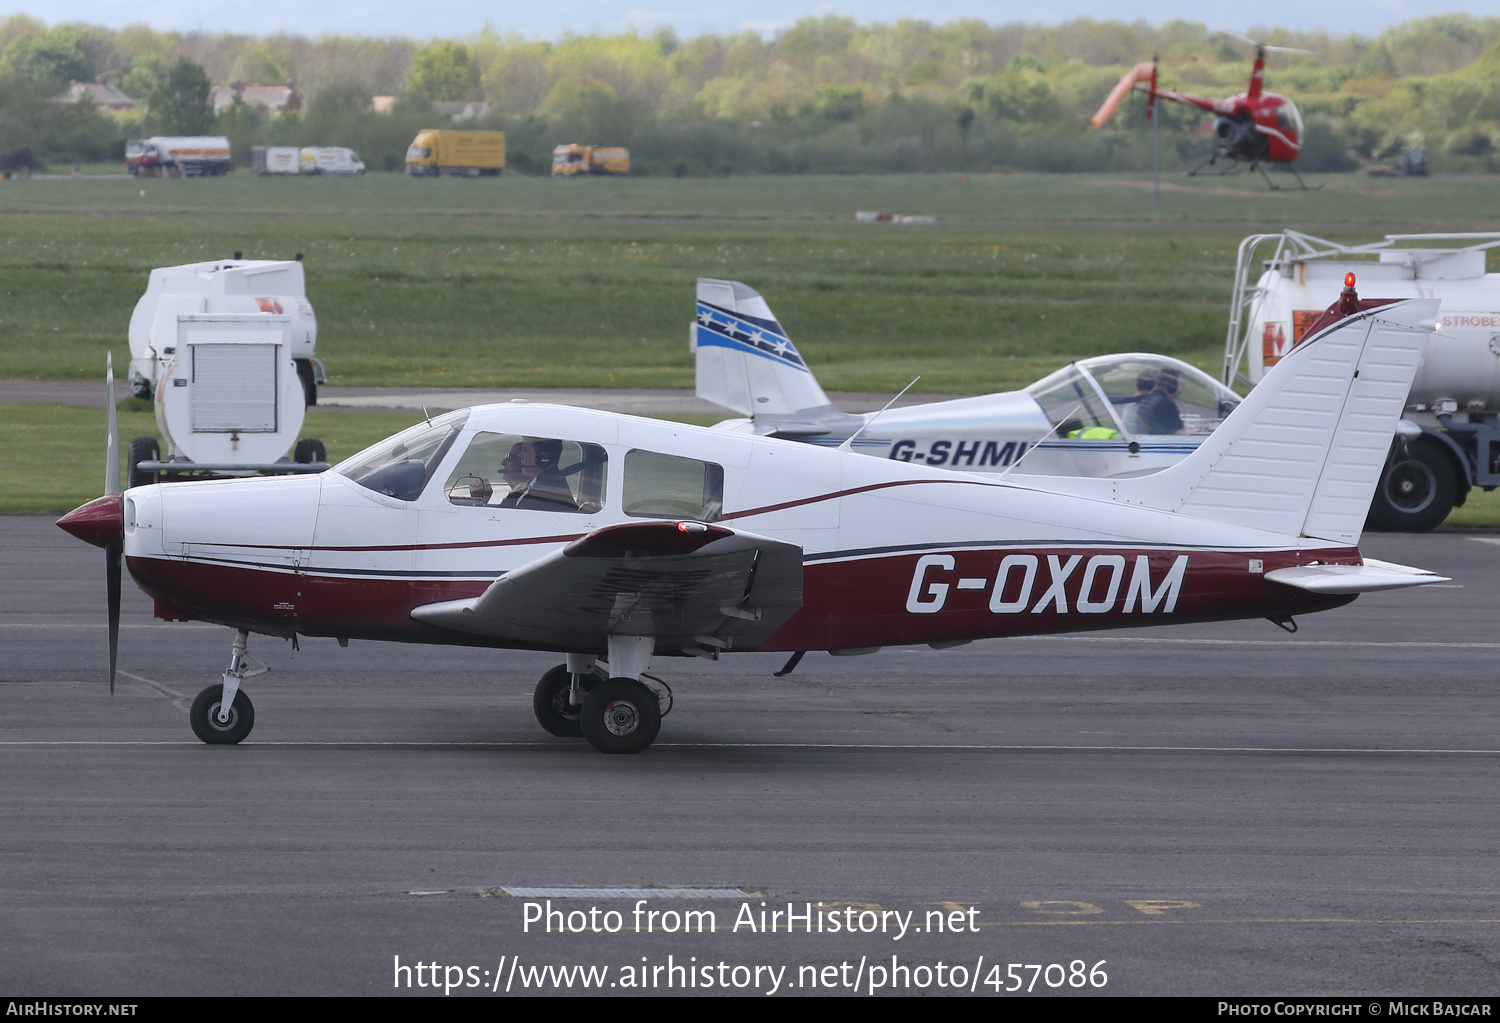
[574, 159]
[468, 153]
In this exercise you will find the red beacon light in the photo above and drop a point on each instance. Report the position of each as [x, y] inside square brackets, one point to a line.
[1348, 301]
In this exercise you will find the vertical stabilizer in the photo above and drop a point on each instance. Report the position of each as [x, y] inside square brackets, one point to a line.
[1302, 454]
[745, 361]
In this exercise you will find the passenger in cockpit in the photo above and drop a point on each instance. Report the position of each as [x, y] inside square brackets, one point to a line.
[1157, 412]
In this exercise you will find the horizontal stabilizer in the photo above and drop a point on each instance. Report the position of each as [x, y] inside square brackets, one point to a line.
[693, 586]
[1370, 577]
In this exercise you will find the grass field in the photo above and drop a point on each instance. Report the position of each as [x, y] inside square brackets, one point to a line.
[528, 281]
[531, 282]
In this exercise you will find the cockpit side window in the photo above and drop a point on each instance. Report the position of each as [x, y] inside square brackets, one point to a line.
[401, 466]
[503, 470]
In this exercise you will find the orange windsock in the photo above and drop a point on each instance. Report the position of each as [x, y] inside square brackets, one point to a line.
[1140, 73]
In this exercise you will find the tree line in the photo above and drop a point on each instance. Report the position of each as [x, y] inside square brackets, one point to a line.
[827, 95]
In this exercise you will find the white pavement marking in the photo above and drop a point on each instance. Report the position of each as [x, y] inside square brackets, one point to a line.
[100, 625]
[960, 747]
[182, 701]
[623, 893]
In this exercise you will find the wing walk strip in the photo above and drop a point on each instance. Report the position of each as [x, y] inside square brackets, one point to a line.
[969, 747]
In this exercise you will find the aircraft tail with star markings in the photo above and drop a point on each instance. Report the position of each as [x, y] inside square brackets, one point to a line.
[745, 361]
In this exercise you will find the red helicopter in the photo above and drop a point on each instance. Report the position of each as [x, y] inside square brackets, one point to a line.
[1254, 128]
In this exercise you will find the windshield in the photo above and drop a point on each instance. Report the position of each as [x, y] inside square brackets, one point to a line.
[400, 466]
[1200, 400]
[1071, 404]
[1290, 120]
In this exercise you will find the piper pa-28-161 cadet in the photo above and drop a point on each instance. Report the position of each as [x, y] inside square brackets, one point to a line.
[614, 540]
[1114, 415]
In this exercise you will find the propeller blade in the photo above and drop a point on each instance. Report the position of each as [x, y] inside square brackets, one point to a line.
[112, 486]
[112, 428]
[112, 585]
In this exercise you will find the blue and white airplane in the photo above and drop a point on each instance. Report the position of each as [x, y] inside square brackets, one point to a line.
[1096, 417]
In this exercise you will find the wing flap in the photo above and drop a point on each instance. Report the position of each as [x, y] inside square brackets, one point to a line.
[694, 587]
[1370, 577]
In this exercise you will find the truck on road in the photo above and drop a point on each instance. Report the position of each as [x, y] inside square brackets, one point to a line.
[192, 156]
[572, 160]
[1450, 437]
[467, 153]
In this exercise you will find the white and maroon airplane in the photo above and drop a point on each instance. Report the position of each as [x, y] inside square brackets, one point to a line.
[616, 540]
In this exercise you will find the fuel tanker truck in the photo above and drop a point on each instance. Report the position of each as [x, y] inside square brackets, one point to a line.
[224, 350]
[1449, 441]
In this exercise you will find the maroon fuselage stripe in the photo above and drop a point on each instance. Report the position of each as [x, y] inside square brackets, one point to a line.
[854, 603]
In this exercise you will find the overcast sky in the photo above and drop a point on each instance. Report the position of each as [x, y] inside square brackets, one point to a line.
[458, 18]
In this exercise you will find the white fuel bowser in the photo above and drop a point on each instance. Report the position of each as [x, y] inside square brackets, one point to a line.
[222, 356]
[1450, 440]
[263, 287]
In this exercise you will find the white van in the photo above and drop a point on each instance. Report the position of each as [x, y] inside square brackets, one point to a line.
[331, 160]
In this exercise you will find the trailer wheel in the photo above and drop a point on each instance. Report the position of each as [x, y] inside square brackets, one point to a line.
[142, 449]
[309, 450]
[1417, 489]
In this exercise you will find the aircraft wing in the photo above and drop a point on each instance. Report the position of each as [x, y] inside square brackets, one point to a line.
[1367, 578]
[695, 587]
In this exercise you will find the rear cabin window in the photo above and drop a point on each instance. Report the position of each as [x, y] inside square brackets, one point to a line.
[669, 486]
[504, 470]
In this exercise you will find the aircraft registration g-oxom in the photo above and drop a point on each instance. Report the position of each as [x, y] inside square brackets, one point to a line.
[614, 540]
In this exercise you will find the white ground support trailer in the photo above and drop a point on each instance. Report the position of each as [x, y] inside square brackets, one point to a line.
[266, 287]
[1452, 442]
[276, 159]
[224, 349]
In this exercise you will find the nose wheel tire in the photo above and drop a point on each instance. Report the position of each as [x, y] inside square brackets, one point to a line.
[550, 702]
[205, 717]
[621, 715]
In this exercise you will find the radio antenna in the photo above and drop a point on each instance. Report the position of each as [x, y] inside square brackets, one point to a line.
[1040, 437]
[863, 426]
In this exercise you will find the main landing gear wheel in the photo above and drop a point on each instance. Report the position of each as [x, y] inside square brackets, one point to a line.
[621, 715]
[205, 717]
[550, 702]
[1416, 491]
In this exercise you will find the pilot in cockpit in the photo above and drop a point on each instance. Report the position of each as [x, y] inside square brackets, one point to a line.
[1157, 412]
[541, 484]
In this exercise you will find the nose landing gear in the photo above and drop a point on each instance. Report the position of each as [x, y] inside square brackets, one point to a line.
[222, 714]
